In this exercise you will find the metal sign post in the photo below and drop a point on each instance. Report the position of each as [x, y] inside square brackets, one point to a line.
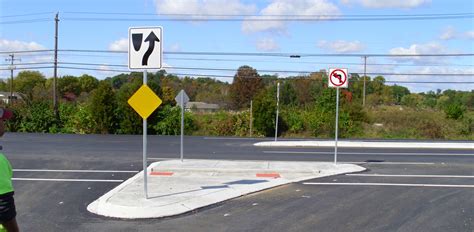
[251, 119]
[182, 99]
[278, 102]
[145, 52]
[337, 78]
[182, 125]
[337, 124]
[145, 132]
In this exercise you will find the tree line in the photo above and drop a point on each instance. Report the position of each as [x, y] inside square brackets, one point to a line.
[89, 105]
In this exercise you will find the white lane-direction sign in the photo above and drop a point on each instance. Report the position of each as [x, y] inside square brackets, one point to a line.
[182, 99]
[145, 47]
[338, 78]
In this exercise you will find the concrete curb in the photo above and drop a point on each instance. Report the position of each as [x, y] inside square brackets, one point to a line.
[368, 144]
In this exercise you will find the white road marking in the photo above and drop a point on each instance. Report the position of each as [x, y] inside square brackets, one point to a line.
[67, 180]
[368, 153]
[164, 159]
[66, 170]
[391, 184]
[423, 176]
[230, 138]
[414, 163]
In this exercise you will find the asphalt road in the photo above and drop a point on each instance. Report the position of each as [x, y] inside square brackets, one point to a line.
[57, 176]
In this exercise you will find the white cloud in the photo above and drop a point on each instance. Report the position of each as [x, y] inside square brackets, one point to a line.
[387, 3]
[448, 33]
[204, 7]
[424, 87]
[175, 47]
[341, 46]
[469, 34]
[267, 45]
[287, 7]
[417, 49]
[16, 45]
[119, 45]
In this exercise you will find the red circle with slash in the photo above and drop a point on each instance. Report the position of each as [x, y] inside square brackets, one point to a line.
[342, 82]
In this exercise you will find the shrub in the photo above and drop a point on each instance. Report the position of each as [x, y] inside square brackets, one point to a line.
[264, 112]
[294, 120]
[169, 121]
[102, 106]
[454, 111]
[81, 121]
[38, 117]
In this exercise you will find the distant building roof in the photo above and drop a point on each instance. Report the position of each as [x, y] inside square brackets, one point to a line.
[202, 106]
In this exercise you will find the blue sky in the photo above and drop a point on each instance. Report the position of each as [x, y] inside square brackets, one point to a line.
[297, 37]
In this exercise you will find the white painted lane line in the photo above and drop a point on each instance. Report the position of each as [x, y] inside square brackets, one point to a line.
[67, 180]
[414, 163]
[164, 159]
[423, 176]
[230, 138]
[392, 184]
[66, 170]
[368, 153]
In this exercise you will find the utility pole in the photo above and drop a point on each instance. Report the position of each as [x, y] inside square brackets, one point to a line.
[12, 67]
[55, 75]
[365, 74]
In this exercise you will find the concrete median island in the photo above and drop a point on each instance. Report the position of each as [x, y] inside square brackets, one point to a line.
[176, 187]
[369, 144]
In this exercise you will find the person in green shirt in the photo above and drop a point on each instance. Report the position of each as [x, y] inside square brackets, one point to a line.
[7, 203]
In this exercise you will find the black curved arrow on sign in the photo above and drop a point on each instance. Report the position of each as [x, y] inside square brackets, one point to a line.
[151, 38]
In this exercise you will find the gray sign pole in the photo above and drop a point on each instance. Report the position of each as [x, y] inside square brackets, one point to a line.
[278, 102]
[182, 124]
[337, 125]
[145, 172]
[251, 119]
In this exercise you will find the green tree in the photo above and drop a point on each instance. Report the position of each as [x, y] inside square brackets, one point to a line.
[102, 106]
[129, 121]
[3, 86]
[247, 83]
[288, 94]
[264, 113]
[69, 85]
[412, 100]
[26, 81]
[88, 83]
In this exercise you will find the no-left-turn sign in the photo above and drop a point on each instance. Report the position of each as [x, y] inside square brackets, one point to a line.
[338, 78]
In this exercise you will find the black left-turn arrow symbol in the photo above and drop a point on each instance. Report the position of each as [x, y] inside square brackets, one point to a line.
[151, 38]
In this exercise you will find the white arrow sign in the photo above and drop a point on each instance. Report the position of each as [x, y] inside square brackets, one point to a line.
[181, 99]
[145, 47]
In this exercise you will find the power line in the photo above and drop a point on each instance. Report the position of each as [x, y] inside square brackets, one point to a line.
[27, 68]
[316, 62]
[26, 21]
[275, 71]
[259, 70]
[271, 54]
[32, 63]
[228, 76]
[264, 18]
[27, 51]
[274, 15]
[23, 15]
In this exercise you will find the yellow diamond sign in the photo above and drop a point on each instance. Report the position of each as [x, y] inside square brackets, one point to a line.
[144, 101]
